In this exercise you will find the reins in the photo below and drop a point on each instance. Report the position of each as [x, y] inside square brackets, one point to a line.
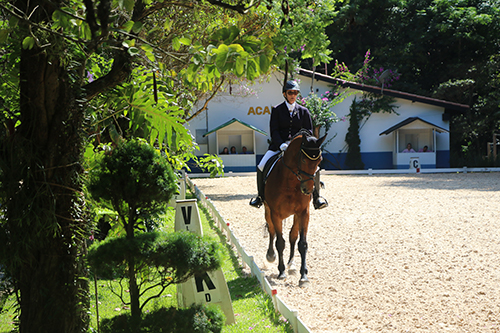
[300, 172]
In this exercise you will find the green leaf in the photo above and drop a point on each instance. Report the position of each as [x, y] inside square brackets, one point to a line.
[13, 21]
[168, 24]
[185, 41]
[128, 4]
[133, 51]
[252, 71]
[4, 33]
[240, 66]
[147, 48]
[137, 27]
[264, 63]
[176, 44]
[222, 54]
[236, 48]
[233, 33]
[128, 26]
[28, 43]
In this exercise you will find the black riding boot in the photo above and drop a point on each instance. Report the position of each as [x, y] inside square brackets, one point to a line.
[259, 200]
[318, 201]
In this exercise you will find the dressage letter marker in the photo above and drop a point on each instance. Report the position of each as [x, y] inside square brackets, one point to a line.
[415, 164]
[206, 288]
[187, 216]
[181, 185]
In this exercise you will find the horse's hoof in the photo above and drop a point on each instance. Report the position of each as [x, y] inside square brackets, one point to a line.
[291, 269]
[304, 283]
[270, 258]
[282, 276]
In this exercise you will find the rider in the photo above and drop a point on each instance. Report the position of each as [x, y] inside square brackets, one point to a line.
[287, 119]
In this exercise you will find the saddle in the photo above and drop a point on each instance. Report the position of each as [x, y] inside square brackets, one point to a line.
[270, 165]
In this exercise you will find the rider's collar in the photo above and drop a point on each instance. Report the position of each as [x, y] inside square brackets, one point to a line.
[290, 107]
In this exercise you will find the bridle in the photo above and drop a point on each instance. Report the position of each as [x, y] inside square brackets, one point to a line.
[301, 172]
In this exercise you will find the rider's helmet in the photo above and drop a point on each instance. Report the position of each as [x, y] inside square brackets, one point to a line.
[291, 85]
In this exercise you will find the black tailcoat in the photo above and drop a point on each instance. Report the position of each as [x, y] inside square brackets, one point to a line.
[283, 127]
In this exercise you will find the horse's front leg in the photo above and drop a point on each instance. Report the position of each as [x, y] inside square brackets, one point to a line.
[302, 246]
[270, 256]
[275, 224]
[294, 234]
[304, 281]
[280, 246]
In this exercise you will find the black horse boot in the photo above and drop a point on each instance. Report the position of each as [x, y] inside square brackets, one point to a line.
[318, 201]
[259, 200]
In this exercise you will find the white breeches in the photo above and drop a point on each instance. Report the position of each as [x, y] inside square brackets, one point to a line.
[267, 156]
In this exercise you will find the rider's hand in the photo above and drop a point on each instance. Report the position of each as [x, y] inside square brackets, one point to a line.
[283, 146]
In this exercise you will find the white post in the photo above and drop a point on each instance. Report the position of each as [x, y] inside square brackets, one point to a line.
[208, 288]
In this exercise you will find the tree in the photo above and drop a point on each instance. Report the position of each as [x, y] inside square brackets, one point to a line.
[442, 49]
[85, 71]
[136, 180]
[353, 156]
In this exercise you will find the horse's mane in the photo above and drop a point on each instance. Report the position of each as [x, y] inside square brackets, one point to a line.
[303, 132]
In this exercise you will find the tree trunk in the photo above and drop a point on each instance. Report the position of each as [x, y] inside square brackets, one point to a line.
[46, 232]
[135, 309]
[316, 131]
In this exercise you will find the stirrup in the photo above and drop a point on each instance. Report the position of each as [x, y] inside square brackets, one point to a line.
[256, 202]
[320, 203]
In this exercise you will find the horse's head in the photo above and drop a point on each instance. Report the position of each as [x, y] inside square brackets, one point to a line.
[304, 155]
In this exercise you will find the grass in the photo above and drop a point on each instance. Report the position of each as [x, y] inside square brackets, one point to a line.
[253, 309]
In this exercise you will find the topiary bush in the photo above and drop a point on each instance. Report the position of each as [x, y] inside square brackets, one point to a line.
[175, 256]
[197, 319]
[137, 181]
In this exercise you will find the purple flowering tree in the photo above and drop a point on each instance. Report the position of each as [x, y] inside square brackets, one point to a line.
[320, 108]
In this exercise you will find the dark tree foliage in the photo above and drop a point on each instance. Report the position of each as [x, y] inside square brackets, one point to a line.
[441, 48]
[137, 181]
[198, 319]
[136, 174]
[180, 254]
[353, 156]
[160, 259]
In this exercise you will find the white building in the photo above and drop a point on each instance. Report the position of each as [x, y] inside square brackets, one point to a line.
[236, 120]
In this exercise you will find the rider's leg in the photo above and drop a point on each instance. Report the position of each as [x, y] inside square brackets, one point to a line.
[318, 201]
[259, 200]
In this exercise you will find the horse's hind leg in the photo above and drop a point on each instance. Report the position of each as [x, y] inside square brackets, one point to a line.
[280, 246]
[270, 256]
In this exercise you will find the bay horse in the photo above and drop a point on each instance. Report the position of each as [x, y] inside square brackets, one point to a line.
[288, 192]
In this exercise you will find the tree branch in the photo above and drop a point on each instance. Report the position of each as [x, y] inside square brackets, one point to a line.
[240, 7]
[205, 105]
[120, 71]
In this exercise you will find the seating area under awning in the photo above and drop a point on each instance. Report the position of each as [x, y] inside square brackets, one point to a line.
[238, 134]
[421, 134]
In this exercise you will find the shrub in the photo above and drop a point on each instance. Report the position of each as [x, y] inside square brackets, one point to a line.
[197, 319]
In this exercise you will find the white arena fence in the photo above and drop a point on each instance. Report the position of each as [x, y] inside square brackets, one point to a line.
[292, 316]
[365, 172]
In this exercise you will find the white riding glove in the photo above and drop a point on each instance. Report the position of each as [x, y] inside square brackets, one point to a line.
[283, 146]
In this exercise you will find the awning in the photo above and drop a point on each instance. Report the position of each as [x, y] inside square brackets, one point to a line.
[411, 120]
[232, 121]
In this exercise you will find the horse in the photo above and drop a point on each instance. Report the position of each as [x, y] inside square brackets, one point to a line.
[288, 191]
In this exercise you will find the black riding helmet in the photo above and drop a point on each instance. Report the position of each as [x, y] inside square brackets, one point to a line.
[291, 85]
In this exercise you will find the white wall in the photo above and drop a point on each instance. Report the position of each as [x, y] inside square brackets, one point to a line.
[255, 110]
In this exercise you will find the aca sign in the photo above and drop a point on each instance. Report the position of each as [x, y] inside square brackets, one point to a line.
[259, 111]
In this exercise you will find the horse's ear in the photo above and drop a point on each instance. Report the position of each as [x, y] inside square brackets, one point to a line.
[320, 140]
